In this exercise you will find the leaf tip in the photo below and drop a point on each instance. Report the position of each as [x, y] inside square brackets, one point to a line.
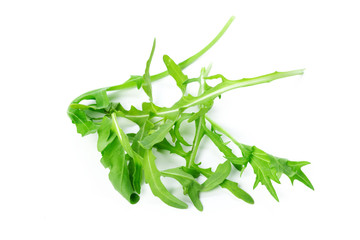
[249, 200]
[166, 58]
[200, 209]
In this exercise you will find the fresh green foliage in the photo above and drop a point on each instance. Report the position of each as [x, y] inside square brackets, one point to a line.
[152, 177]
[113, 157]
[219, 176]
[130, 157]
[175, 71]
[147, 80]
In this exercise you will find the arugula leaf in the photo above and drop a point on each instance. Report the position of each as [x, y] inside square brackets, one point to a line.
[113, 157]
[147, 80]
[203, 110]
[105, 134]
[233, 187]
[139, 80]
[177, 149]
[267, 167]
[261, 165]
[191, 186]
[175, 71]
[152, 177]
[135, 115]
[228, 154]
[149, 141]
[143, 132]
[293, 171]
[177, 133]
[84, 124]
[135, 164]
[99, 95]
[219, 176]
[136, 159]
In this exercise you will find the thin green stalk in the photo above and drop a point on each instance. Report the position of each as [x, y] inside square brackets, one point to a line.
[196, 143]
[228, 85]
[182, 65]
[220, 129]
[198, 126]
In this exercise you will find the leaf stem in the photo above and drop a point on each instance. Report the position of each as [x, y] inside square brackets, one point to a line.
[220, 129]
[199, 133]
[233, 84]
[183, 65]
[196, 143]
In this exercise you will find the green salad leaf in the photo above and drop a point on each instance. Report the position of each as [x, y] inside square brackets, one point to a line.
[152, 177]
[130, 156]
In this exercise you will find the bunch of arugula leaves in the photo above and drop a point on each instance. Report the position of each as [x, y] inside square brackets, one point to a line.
[130, 157]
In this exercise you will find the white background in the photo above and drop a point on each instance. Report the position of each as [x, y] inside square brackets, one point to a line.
[52, 184]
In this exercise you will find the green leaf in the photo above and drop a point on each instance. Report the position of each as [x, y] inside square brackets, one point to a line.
[136, 173]
[193, 172]
[152, 177]
[135, 115]
[113, 157]
[175, 71]
[101, 98]
[99, 95]
[193, 191]
[149, 141]
[204, 73]
[191, 186]
[219, 176]
[219, 143]
[143, 132]
[260, 162]
[233, 187]
[177, 129]
[172, 135]
[177, 149]
[147, 79]
[203, 110]
[191, 80]
[293, 171]
[268, 167]
[84, 124]
[105, 135]
[290, 168]
[136, 162]
[153, 110]
[135, 165]
[139, 80]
